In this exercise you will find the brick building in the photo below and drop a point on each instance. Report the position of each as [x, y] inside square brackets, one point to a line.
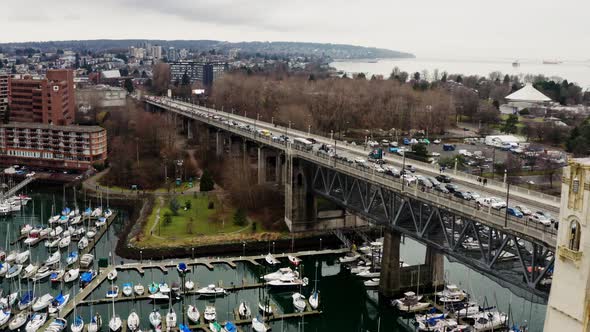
[48, 100]
[51, 146]
[3, 95]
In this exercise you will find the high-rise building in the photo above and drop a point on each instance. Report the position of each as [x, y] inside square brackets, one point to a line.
[4, 78]
[156, 52]
[203, 72]
[172, 54]
[48, 100]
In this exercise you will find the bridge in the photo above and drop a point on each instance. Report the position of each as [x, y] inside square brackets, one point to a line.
[12, 191]
[512, 249]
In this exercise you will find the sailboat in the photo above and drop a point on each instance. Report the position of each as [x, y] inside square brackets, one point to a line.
[314, 298]
[244, 310]
[115, 321]
[5, 315]
[127, 289]
[170, 316]
[133, 321]
[38, 319]
[139, 289]
[193, 314]
[258, 324]
[298, 302]
[19, 320]
[95, 321]
[78, 323]
[155, 319]
[210, 313]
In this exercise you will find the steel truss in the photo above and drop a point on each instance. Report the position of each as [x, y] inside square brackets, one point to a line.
[521, 261]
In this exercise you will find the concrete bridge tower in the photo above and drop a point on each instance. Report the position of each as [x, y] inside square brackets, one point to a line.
[569, 302]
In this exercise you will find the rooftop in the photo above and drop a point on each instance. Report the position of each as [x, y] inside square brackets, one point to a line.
[528, 93]
[30, 125]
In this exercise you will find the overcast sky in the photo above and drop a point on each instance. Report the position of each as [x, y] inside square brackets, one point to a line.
[428, 28]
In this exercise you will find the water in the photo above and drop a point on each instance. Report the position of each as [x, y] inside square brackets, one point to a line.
[345, 303]
[578, 72]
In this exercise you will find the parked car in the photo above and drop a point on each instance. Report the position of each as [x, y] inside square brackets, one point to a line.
[443, 178]
[474, 195]
[462, 194]
[436, 141]
[523, 209]
[424, 181]
[494, 202]
[452, 187]
[433, 180]
[408, 178]
[540, 218]
[514, 212]
[442, 189]
[411, 168]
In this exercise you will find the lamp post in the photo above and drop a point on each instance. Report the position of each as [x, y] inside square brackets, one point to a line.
[505, 175]
[141, 256]
[193, 253]
[243, 249]
[403, 171]
[320, 244]
[309, 130]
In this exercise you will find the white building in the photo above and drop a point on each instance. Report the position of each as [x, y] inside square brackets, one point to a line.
[156, 52]
[503, 140]
[527, 97]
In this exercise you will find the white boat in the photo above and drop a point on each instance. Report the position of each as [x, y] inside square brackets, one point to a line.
[164, 288]
[97, 212]
[210, 314]
[65, 242]
[42, 302]
[56, 275]
[193, 314]
[91, 232]
[189, 285]
[52, 243]
[83, 243]
[4, 267]
[30, 270]
[42, 273]
[72, 258]
[258, 324]
[489, 321]
[270, 259]
[244, 310]
[107, 213]
[410, 303]
[349, 258]
[115, 323]
[18, 320]
[95, 323]
[171, 319]
[113, 292]
[451, 294]
[75, 220]
[13, 271]
[32, 239]
[11, 256]
[86, 260]
[71, 275]
[211, 290]
[139, 289]
[56, 231]
[77, 325]
[53, 258]
[59, 302]
[159, 296]
[288, 282]
[101, 221]
[298, 302]
[442, 324]
[26, 229]
[54, 219]
[5, 315]
[155, 319]
[133, 321]
[128, 289]
[314, 299]
[265, 308]
[372, 282]
[294, 260]
[284, 272]
[22, 257]
[58, 325]
[112, 275]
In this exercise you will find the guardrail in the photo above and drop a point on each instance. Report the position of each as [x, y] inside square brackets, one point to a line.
[497, 218]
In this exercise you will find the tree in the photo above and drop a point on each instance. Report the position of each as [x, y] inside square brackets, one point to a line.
[174, 206]
[509, 126]
[420, 150]
[187, 204]
[129, 85]
[240, 218]
[416, 76]
[167, 220]
[361, 76]
[207, 183]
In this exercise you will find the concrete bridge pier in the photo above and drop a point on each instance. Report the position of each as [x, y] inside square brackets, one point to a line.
[189, 130]
[218, 144]
[435, 264]
[389, 284]
[261, 165]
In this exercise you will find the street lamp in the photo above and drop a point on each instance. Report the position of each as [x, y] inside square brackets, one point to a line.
[309, 130]
[193, 253]
[141, 256]
[243, 249]
[320, 244]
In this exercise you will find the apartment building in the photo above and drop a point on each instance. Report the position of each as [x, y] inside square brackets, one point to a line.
[47, 100]
[203, 72]
[50, 146]
[4, 78]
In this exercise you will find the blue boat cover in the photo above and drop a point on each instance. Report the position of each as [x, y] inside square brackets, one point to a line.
[184, 328]
[86, 277]
[73, 254]
[78, 321]
[27, 297]
[102, 219]
[88, 211]
[181, 266]
[230, 327]
[66, 211]
[63, 218]
[59, 299]
[432, 321]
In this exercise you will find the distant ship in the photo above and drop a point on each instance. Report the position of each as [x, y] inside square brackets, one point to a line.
[551, 62]
[516, 63]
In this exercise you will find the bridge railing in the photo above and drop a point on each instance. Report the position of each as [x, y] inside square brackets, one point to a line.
[470, 208]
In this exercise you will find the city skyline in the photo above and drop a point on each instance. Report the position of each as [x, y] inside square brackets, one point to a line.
[429, 28]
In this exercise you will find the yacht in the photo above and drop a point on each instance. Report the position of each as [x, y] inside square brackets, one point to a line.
[210, 314]
[349, 258]
[451, 294]
[489, 321]
[86, 260]
[284, 272]
[211, 290]
[71, 275]
[42, 302]
[37, 320]
[410, 303]
[298, 302]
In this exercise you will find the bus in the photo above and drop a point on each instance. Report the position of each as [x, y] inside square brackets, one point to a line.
[303, 143]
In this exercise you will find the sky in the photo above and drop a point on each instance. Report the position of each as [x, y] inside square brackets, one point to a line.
[520, 29]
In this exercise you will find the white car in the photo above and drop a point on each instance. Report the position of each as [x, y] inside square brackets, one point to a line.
[408, 178]
[30, 175]
[540, 218]
[494, 202]
[474, 195]
[360, 161]
[436, 141]
[523, 209]
[435, 154]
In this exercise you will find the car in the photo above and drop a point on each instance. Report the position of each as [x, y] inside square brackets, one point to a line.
[443, 178]
[411, 168]
[424, 181]
[514, 212]
[360, 161]
[493, 202]
[30, 175]
[523, 209]
[540, 218]
[435, 154]
[433, 180]
[462, 194]
[436, 141]
[392, 171]
[378, 168]
[452, 187]
[408, 178]
[474, 195]
[442, 189]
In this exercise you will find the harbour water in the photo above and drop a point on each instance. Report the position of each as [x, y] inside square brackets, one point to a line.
[345, 303]
[578, 72]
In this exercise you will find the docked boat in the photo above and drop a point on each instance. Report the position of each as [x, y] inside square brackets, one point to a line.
[171, 319]
[95, 323]
[53, 258]
[139, 289]
[490, 321]
[58, 325]
[72, 258]
[314, 299]
[112, 274]
[97, 212]
[77, 325]
[158, 296]
[153, 288]
[215, 327]
[32, 239]
[5, 315]
[4, 268]
[410, 303]
[294, 260]
[22, 257]
[113, 292]
[115, 323]
[65, 241]
[42, 302]
[189, 285]
[37, 320]
[349, 258]
[127, 289]
[54, 219]
[52, 243]
[288, 282]
[11, 256]
[244, 310]
[270, 259]
[258, 324]
[26, 300]
[284, 272]
[265, 308]
[30, 270]
[26, 229]
[369, 274]
[372, 282]
[18, 320]
[193, 314]
[155, 319]
[71, 275]
[75, 220]
[133, 321]
[42, 273]
[86, 260]
[107, 213]
[451, 294]
[211, 290]
[210, 314]
[83, 243]
[298, 302]
[164, 288]
[182, 268]
[59, 302]
[56, 231]
[13, 271]
[56, 275]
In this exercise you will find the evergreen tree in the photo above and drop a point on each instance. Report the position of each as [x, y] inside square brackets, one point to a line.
[509, 126]
[207, 183]
[129, 85]
[240, 218]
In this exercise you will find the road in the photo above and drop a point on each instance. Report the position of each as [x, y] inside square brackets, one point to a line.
[518, 196]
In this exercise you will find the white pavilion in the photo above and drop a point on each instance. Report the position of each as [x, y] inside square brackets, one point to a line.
[526, 97]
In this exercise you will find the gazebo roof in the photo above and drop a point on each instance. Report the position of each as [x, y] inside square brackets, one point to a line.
[529, 94]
